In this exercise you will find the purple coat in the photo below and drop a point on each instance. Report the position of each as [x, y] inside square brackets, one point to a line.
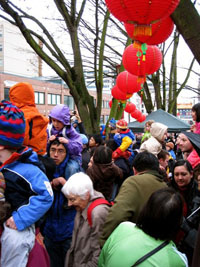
[61, 113]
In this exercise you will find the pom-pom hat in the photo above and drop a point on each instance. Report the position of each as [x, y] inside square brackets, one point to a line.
[12, 125]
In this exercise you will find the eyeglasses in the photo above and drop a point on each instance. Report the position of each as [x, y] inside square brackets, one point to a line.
[58, 151]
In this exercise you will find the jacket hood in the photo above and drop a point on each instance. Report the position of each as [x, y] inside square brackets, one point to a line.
[61, 113]
[22, 94]
[158, 130]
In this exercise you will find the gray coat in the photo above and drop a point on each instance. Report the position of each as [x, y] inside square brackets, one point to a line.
[85, 248]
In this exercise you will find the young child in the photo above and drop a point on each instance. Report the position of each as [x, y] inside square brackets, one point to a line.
[124, 139]
[147, 134]
[27, 188]
[154, 143]
[22, 96]
[195, 128]
[60, 127]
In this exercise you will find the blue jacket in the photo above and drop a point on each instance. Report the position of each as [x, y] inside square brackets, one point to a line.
[60, 219]
[27, 188]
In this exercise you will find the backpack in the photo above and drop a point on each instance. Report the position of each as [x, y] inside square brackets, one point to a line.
[95, 203]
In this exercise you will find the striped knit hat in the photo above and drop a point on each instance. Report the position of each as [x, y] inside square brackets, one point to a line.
[12, 125]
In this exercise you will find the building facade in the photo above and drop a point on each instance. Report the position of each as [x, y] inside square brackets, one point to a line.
[48, 94]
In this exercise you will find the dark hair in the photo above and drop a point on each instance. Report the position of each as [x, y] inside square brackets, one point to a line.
[183, 162]
[50, 166]
[145, 161]
[163, 154]
[54, 142]
[102, 155]
[196, 108]
[111, 144]
[162, 215]
[180, 162]
[98, 139]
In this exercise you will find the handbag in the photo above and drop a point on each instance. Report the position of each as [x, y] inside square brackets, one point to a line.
[149, 254]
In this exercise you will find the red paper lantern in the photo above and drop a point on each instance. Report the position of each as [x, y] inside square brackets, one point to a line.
[128, 83]
[130, 107]
[118, 94]
[142, 118]
[110, 103]
[141, 11]
[140, 61]
[161, 30]
[136, 114]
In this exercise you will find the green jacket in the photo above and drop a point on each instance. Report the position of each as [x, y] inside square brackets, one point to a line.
[128, 243]
[133, 194]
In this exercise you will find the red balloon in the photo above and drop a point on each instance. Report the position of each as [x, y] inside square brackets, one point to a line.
[136, 114]
[110, 103]
[141, 11]
[118, 94]
[161, 30]
[130, 107]
[128, 83]
[138, 64]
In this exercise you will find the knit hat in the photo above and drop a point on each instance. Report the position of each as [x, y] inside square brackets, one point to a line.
[112, 123]
[170, 144]
[12, 125]
[84, 139]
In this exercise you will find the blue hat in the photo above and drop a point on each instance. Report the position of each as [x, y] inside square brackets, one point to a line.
[84, 139]
[12, 125]
[112, 123]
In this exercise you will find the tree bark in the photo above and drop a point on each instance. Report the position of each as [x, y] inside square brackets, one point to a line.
[187, 21]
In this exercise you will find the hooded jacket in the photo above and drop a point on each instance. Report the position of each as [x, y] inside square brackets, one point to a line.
[27, 187]
[22, 96]
[154, 143]
[61, 113]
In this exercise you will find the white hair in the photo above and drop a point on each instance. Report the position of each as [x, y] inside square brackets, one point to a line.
[78, 184]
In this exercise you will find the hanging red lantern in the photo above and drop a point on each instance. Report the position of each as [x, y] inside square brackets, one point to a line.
[118, 94]
[141, 61]
[142, 118]
[161, 30]
[128, 83]
[136, 114]
[130, 107]
[141, 11]
[110, 103]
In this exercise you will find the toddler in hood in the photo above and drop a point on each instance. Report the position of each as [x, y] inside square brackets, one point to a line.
[158, 133]
[60, 127]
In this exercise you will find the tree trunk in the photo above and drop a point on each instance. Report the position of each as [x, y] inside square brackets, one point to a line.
[187, 21]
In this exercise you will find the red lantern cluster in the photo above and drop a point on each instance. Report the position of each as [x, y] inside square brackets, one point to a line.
[148, 24]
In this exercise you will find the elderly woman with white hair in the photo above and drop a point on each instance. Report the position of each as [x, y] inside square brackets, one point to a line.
[85, 248]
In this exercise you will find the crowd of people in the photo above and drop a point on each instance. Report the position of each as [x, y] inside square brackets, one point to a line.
[68, 198]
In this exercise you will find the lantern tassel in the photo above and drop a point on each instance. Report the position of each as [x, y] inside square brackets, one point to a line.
[142, 30]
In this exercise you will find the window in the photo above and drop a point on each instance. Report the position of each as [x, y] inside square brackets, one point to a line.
[6, 94]
[1, 47]
[103, 104]
[69, 101]
[106, 118]
[54, 99]
[39, 98]
[106, 104]
[1, 62]
[102, 119]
